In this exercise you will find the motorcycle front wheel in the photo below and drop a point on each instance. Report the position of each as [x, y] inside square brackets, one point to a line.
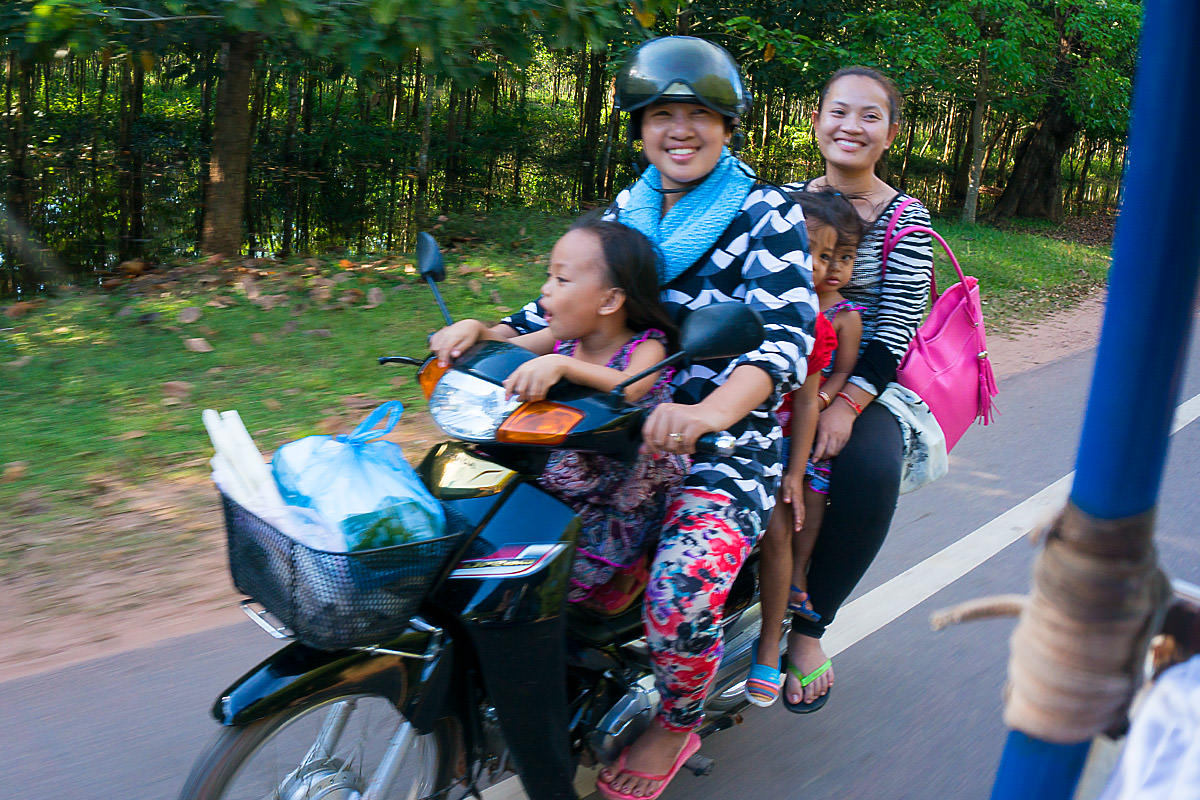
[347, 747]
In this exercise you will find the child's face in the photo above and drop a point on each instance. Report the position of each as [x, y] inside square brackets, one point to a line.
[576, 287]
[822, 240]
[839, 272]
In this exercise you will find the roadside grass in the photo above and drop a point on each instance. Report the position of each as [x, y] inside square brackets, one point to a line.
[100, 392]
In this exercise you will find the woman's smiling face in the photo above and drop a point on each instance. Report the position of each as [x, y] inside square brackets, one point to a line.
[684, 140]
[853, 125]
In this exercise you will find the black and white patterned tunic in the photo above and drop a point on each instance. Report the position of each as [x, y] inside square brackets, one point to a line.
[761, 259]
[895, 301]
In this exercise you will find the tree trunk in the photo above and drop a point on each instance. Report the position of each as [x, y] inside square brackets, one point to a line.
[908, 146]
[224, 204]
[289, 162]
[1083, 172]
[1035, 190]
[975, 174]
[19, 81]
[423, 154]
[593, 106]
[129, 162]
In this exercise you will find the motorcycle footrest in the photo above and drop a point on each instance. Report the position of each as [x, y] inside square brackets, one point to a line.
[699, 765]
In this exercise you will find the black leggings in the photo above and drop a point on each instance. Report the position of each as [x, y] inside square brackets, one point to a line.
[863, 490]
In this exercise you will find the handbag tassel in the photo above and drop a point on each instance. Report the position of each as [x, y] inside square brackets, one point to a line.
[987, 389]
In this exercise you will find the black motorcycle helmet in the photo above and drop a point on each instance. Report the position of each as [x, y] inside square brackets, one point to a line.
[683, 69]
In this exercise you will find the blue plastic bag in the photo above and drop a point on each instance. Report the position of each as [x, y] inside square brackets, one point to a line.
[360, 484]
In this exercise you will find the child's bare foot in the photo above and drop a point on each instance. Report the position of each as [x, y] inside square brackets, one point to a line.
[806, 655]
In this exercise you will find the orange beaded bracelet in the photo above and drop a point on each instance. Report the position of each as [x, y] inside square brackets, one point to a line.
[857, 408]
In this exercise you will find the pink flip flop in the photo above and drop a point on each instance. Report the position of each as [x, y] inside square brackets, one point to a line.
[689, 749]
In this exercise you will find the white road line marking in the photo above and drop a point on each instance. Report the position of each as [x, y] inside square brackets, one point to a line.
[867, 614]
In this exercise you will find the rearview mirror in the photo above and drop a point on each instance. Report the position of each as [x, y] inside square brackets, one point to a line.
[429, 258]
[722, 330]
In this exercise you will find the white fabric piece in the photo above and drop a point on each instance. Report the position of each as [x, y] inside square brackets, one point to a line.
[1161, 759]
[925, 456]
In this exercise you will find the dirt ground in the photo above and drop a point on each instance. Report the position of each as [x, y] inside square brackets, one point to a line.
[61, 613]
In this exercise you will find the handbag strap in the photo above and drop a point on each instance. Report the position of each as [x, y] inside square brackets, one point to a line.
[891, 236]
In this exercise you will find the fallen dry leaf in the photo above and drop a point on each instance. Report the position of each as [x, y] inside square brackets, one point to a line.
[132, 268]
[332, 425]
[320, 333]
[198, 345]
[126, 311]
[320, 294]
[188, 315]
[359, 402]
[14, 470]
[19, 362]
[342, 277]
[475, 285]
[495, 296]
[179, 389]
[127, 436]
[272, 404]
[289, 327]
[258, 338]
[345, 262]
[351, 296]
[399, 380]
[374, 297]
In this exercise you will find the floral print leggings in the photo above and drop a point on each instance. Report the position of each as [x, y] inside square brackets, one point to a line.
[704, 541]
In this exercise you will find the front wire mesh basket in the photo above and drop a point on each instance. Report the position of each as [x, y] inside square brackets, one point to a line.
[331, 600]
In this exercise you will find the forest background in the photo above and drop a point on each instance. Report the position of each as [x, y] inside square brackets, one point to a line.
[212, 204]
[161, 129]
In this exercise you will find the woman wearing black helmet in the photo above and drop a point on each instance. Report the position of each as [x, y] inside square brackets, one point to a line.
[721, 236]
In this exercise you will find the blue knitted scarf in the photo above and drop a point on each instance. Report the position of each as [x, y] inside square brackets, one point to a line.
[696, 220]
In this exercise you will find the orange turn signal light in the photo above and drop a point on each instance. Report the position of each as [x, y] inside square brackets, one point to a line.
[542, 422]
[429, 376]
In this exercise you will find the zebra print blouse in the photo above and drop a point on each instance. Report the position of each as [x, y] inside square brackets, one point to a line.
[894, 303]
[761, 259]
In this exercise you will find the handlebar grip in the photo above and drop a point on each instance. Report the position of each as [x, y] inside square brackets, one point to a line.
[416, 362]
[718, 443]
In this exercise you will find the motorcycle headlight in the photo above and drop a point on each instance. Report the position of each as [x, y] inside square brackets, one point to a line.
[470, 408]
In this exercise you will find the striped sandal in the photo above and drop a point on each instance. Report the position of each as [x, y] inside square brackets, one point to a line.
[763, 684]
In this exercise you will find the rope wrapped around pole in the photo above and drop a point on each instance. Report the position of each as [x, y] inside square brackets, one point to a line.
[1098, 597]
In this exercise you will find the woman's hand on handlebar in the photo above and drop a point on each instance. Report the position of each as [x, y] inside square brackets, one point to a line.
[452, 341]
[674, 428]
[834, 425]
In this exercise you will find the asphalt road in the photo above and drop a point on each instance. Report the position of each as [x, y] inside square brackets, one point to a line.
[915, 714]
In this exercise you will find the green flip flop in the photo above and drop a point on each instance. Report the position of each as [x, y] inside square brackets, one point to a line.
[805, 680]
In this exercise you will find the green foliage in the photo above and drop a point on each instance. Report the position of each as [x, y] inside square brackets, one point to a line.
[84, 375]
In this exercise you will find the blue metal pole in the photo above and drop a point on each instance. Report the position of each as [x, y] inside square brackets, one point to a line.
[1144, 338]
[1152, 284]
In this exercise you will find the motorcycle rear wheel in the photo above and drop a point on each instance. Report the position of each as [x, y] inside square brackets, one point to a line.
[329, 749]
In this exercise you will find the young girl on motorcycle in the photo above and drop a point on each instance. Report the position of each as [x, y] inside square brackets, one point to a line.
[604, 323]
[833, 230]
[722, 236]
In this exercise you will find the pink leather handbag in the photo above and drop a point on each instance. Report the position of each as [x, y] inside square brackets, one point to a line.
[947, 361]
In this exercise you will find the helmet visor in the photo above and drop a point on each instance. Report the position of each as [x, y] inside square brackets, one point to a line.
[665, 64]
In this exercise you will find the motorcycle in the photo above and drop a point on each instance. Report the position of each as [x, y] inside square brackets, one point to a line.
[493, 674]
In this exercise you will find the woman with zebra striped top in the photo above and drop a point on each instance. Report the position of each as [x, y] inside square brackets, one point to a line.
[856, 120]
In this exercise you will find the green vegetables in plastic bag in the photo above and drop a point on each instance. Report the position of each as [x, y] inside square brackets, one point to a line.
[360, 484]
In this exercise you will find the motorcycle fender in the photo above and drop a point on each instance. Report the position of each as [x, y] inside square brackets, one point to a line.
[300, 673]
